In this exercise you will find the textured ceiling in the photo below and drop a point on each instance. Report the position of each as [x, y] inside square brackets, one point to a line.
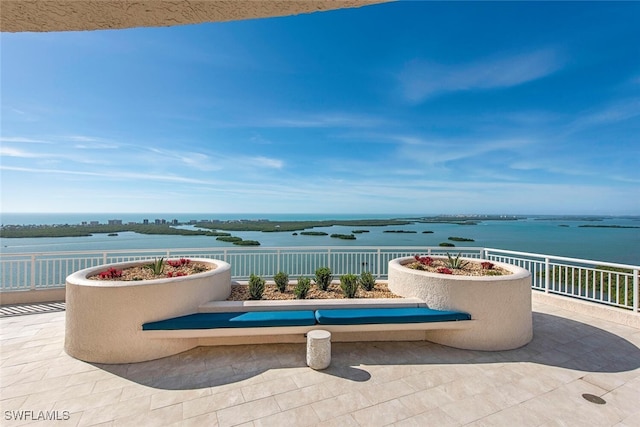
[77, 15]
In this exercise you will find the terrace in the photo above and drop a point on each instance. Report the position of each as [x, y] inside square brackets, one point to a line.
[582, 367]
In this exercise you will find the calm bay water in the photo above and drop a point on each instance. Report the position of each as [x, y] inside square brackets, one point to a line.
[621, 245]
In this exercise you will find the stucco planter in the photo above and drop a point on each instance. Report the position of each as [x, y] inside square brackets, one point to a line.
[104, 318]
[500, 306]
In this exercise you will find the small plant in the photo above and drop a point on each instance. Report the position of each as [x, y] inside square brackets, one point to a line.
[111, 273]
[156, 266]
[424, 260]
[444, 270]
[323, 278]
[349, 285]
[176, 274]
[367, 281]
[302, 288]
[256, 287]
[456, 263]
[199, 269]
[486, 265]
[179, 262]
[282, 280]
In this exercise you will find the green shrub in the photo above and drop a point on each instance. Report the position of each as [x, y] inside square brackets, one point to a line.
[367, 281]
[302, 288]
[256, 287]
[156, 266]
[323, 278]
[282, 280]
[349, 285]
[456, 263]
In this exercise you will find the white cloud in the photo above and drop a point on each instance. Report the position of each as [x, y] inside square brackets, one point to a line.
[324, 120]
[268, 162]
[614, 113]
[14, 152]
[438, 152]
[19, 139]
[421, 80]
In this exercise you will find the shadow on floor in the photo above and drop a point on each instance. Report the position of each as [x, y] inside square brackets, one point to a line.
[557, 341]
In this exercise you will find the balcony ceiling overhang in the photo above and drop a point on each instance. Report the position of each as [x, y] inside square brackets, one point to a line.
[82, 15]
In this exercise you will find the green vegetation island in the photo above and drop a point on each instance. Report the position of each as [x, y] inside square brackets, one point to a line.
[608, 226]
[461, 239]
[213, 228]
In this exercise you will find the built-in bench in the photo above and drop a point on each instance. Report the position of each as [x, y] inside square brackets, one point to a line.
[226, 324]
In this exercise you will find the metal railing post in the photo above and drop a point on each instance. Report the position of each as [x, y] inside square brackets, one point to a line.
[278, 261]
[379, 263]
[33, 272]
[636, 289]
[547, 274]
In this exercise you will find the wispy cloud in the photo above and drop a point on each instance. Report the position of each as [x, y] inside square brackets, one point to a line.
[439, 151]
[15, 152]
[422, 79]
[20, 139]
[117, 175]
[324, 120]
[267, 162]
[614, 113]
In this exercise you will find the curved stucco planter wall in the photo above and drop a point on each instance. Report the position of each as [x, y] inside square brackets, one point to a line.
[104, 318]
[500, 306]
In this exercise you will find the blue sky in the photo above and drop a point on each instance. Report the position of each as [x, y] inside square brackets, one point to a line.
[408, 107]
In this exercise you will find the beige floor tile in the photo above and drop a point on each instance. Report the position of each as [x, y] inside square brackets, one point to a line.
[111, 412]
[268, 388]
[158, 417]
[377, 393]
[36, 400]
[514, 416]
[303, 396]
[435, 417]
[212, 403]
[246, 412]
[367, 384]
[341, 421]
[299, 417]
[94, 400]
[205, 420]
[425, 400]
[340, 405]
[382, 414]
[470, 409]
[172, 397]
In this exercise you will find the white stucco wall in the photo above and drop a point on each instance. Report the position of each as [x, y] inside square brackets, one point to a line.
[104, 318]
[500, 305]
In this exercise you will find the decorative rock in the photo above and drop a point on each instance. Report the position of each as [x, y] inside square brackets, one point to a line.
[318, 349]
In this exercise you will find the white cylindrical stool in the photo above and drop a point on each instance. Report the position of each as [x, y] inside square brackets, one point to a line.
[318, 349]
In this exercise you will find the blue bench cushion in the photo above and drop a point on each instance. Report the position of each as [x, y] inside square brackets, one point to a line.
[364, 316]
[253, 319]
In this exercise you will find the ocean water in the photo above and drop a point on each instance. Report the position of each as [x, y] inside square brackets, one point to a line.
[533, 234]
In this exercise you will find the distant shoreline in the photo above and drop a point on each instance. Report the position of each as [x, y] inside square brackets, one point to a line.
[168, 227]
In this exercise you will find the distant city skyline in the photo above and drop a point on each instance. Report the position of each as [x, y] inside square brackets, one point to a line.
[417, 107]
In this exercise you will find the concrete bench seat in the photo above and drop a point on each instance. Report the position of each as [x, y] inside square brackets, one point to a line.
[279, 322]
[364, 316]
[252, 319]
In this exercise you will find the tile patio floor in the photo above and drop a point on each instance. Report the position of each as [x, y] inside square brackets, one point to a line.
[368, 384]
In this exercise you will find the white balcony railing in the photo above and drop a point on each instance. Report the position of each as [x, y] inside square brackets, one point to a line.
[602, 282]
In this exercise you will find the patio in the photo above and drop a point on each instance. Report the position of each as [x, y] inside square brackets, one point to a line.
[403, 384]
